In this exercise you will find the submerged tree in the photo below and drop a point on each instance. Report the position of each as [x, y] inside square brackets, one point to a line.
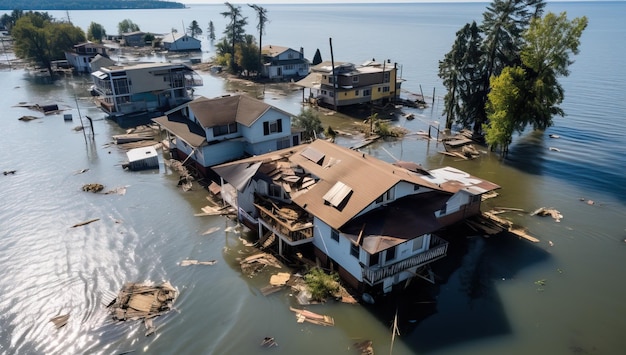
[461, 73]
[530, 95]
[194, 29]
[41, 40]
[96, 32]
[261, 14]
[481, 52]
[211, 30]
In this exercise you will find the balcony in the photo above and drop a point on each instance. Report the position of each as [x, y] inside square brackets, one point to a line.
[290, 223]
[437, 249]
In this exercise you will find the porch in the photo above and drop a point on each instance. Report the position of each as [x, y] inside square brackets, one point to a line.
[290, 224]
[437, 249]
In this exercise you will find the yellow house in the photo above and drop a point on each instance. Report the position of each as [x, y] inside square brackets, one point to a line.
[347, 84]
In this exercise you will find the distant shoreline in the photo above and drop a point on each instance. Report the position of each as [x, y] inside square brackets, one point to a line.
[39, 5]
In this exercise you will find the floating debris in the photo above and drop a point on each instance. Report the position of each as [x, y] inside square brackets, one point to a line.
[9, 172]
[188, 262]
[211, 230]
[118, 191]
[553, 149]
[303, 315]
[365, 347]
[555, 136]
[60, 320]
[543, 211]
[268, 342]
[143, 301]
[255, 263]
[28, 118]
[95, 187]
[85, 223]
[81, 171]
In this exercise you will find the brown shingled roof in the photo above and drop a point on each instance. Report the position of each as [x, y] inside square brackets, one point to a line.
[224, 110]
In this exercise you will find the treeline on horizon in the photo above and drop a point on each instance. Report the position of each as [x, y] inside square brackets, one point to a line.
[87, 4]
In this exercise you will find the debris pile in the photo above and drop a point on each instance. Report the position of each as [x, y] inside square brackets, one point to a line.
[543, 211]
[186, 179]
[302, 315]
[255, 263]
[142, 301]
[188, 262]
[95, 187]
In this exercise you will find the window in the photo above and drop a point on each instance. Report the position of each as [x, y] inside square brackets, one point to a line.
[386, 89]
[391, 253]
[418, 243]
[120, 86]
[374, 259]
[334, 235]
[224, 130]
[386, 77]
[390, 195]
[272, 127]
[443, 209]
[289, 67]
[355, 79]
[379, 199]
[416, 187]
[356, 92]
[367, 92]
[354, 250]
[331, 79]
[331, 93]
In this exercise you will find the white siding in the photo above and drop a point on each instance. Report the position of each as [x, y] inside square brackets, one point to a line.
[338, 251]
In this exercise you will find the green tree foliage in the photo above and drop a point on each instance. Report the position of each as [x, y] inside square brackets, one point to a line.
[261, 14]
[211, 30]
[500, 43]
[247, 56]
[194, 29]
[530, 94]
[126, 26]
[322, 285]
[9, 21]
[310, 122]
[549, 43]
[461, 72]
[40, 39]
[148, 39]
[317, 58]
[235, 31]
[505, 107]
[96, 32]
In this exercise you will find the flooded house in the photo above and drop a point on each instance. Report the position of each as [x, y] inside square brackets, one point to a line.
[146, 89]
[281, 63]
[345, 84]
[81, 56]
[180, 42]
[373, 222]
[208, 132]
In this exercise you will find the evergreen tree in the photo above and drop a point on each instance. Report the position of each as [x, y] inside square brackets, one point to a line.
[310, 122]
[194, 29]
[261, 14]
[317, 58]
[234, 31]
[211, 30]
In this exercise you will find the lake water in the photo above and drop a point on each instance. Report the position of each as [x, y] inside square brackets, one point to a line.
[488, 299]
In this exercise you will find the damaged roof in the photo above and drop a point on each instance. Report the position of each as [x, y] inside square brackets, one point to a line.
[190, 132]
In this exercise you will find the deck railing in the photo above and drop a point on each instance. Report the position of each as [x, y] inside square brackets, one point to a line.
[291, 233]
[437, 250]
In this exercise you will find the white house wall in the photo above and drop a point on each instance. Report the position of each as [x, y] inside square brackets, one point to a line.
[141, 80]
[224, 151]
[456, 201]
[338, 251]
[183, 44]
[254, 134]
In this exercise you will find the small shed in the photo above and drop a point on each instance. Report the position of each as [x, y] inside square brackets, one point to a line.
[142, 158]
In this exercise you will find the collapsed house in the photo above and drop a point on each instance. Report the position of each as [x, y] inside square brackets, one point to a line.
[374, 222]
